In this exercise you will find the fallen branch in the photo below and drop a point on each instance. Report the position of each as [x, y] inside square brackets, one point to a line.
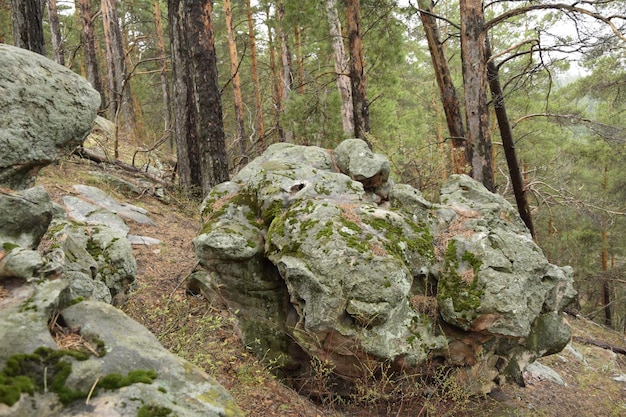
[101, 158]
[600, 344]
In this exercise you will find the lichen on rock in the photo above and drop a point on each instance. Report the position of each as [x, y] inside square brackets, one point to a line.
[324, 258]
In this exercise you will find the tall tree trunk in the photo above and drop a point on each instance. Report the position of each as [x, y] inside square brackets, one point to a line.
[606, 289]
[255, 78]
[55, 31]
[89, 47]
[506, 133]
[27, 17]
[278, 91]
[183, 103]
[341, 67]
[475, 86]
[209, 122]
[120, 102]
[165, 87]
[451, 105]
[299, 58]
[357, 70]
[236, 80]
[287, 72]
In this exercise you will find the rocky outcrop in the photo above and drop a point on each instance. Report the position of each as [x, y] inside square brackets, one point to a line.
[324, 258]
[115, 366]
[47, 110]
[63, 351]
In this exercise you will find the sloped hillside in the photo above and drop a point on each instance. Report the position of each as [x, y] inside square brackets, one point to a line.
[594, 376]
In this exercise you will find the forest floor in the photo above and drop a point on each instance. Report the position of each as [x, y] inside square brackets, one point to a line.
[188, 326]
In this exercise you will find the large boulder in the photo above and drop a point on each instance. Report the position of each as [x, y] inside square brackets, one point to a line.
[47, 110]
[325, 259]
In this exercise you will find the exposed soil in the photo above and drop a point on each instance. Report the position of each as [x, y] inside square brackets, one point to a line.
[189, 326]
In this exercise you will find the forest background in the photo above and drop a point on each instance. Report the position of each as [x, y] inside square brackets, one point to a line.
[527, 97]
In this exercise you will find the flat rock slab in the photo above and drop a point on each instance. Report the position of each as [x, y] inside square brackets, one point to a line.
[142, 240]
[82, 211]
[102, 199]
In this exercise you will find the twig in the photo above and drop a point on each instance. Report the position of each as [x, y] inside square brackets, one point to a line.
[93, 387]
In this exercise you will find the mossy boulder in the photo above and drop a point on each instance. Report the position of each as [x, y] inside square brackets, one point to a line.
[323, 257]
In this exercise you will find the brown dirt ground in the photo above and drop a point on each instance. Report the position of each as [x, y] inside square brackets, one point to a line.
[187, 325]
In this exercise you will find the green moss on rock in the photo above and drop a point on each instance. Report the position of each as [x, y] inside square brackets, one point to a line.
[154, 411]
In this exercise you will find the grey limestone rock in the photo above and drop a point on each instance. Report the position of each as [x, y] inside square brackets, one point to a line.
[324, 257]
[25, 216]
[47, 110]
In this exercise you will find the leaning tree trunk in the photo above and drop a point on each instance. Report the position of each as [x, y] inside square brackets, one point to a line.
[209, 122]
[506, 133]
[255, 78]
[55, 31]
[475, 86]
[27, 17]
[236, 80]
[449, 99]
[341, 67]
[357, 70]
[89, 48]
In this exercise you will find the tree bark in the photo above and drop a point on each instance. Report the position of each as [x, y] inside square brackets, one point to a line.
[341, 67]
[506, 133]
[27, 17]
[475, 86]
[255, 78]
[286, 78]
[236, 80]
[120, 101]
[55, 31]
[183, 103]
[452, 107]
[209, 122]
[89, 47]
[297, 33]
[357, 71]
[278, 91]
[165, 87]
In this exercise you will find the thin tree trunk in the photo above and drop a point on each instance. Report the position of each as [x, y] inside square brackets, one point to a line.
[299, 58]
[209, 122]
[506, 133]
[606, 290]
[451, 105]
[287, 72]
[27, 17]
[341, 67]
[165, 87]
[120, 102]
[278, 91]
[255, 78]
[475, 87]
[357, 70]
[236, 81]
[89, 47]
[55, 31]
